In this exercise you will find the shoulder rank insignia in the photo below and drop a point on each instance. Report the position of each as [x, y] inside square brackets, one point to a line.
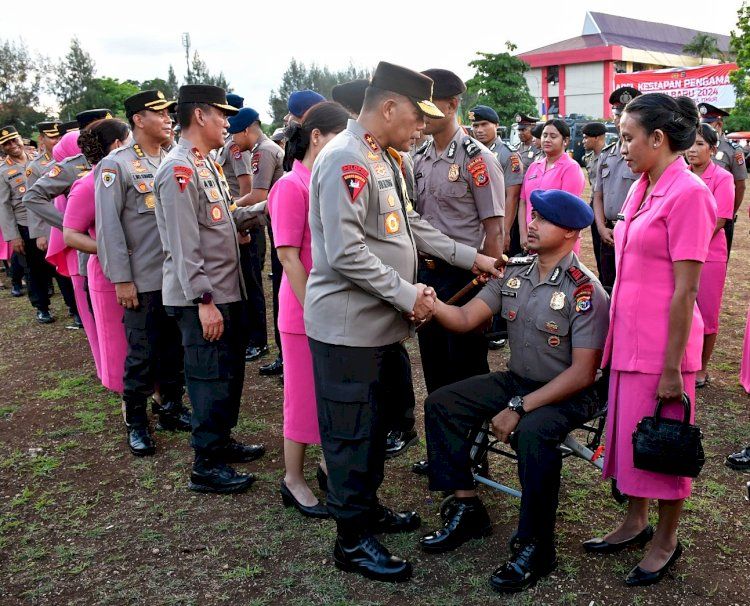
[526, 260]
[577, 275]
[452, 150]
[138, 151]
[472, 149]
[423, 148]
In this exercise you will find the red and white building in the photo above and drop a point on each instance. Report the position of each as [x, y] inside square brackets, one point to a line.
[576, 76]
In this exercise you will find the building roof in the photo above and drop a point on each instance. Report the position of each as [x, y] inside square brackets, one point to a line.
[601, 29]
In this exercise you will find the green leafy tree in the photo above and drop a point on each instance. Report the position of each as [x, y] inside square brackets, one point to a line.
[200, 74]
[300, 77]
[75, 74]
[173, 86]
[499, 83]
[703, 46]
[21, 77]
[739, 118]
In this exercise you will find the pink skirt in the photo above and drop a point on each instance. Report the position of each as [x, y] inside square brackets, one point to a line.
[300, 406]
[710, 293]
[632, 396]
[6, 250]
[745, 364]
[108, 314]
[87, 319]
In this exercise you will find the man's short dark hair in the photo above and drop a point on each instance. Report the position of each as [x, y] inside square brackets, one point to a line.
[186, 111]
[375, 96]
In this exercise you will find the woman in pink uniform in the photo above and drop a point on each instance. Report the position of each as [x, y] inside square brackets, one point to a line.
[656, 332]
[65, 259]
[721, 184]
[288, 205]
[79, 231]
[555, 170]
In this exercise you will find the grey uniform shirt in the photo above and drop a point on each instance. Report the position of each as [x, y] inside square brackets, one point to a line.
[459, 188]
[38, 228]
[365, 238]
[12, 189]
[528, 153]
[509, 160]
[546, 320]
[267, 163]
[591, 160]
[198, 225]
[730, 157]
[234, 163]
[127, 240]
[613, 179]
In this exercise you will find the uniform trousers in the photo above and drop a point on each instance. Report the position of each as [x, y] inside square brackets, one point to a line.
[608, 271]
[36, 270]
[449, 357]
[252, 273]
[453, 412]
[596, 242]
[154, 356]
[214, 374]
[354, 387]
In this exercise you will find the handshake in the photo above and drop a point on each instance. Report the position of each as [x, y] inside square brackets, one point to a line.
[424, 306]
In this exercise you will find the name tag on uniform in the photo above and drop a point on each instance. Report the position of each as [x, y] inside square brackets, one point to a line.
[509, 293]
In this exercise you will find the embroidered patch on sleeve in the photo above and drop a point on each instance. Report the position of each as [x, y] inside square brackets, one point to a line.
[109, 176]
[235, 151]
[182, 174]
[355, 179]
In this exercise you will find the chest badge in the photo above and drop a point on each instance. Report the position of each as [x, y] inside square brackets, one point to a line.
[453, 173]
[511, 315]
[372, 156]
[513, 283]
[557, 302]
[551, 326]
[216, 213]
[391, 200]
[380, 170]
[553, 341]
[150, 201]
[392, 224]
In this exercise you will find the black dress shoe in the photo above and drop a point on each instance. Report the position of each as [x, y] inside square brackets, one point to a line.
[75, 323]
[464, 521]
[639, 577]
[44, 317]
[421, 468]
[140, 442]
[496, 344]
[217, 477]
[322, 478]
[236, 452]
[368, 557]
[526, 566]
[253, 353]
[173, 416]
[398, 442]
[391, 522]
[318, 510]
[16, 291]
[601, 546]
[739, 461]
[274, 368]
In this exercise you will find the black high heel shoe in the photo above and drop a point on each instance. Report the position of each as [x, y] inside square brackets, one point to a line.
[322, 478]
[639, 577]
[605, 547]
[318, 510]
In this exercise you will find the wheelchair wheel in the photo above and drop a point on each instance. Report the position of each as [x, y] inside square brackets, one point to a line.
[617, 495]
[446, 505]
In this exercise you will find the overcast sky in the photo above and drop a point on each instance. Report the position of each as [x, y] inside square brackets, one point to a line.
[253, 42]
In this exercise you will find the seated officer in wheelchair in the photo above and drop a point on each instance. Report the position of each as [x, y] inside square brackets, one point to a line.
[558, 315]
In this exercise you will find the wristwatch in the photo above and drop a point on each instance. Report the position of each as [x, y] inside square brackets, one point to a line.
[516, 405]
[205, 298]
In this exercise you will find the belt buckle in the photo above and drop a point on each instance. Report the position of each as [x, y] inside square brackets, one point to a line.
[430, 264]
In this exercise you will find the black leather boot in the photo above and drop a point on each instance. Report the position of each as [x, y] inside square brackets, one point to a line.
[173, 416]
[466, 519]
[140, 441]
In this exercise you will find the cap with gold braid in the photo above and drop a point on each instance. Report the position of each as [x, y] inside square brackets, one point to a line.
[91, 115]
[50, 129]
[204, 93]
[8, 133]
[408, 83]
[148, 99]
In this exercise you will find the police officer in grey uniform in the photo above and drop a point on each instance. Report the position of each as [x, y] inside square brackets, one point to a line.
[202, 285]
[594, 136]
[461, 192]
[365, 237]
[14, 221]
[526, 148]
[613, 181]
[558, 316]
[131, 256]
[730, 157]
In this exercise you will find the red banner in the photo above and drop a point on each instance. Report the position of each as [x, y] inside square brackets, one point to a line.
[703, 84]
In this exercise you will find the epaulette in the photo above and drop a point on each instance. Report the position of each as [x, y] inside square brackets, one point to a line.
[610, 146]
[510, 147]
[517, 261]
[734, 143]
[472, 147]
[424, 147]
[577, 275]
[121, 149]
[71, 159]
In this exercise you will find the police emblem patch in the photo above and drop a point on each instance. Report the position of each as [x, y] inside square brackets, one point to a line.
[54, 171]
[216, 213]
[109, 176]
[392, 223]
[355, 179]
[553, 341]
[513, 283]
[182, 174]
[150, 201]
[557, 302]
[453, 172]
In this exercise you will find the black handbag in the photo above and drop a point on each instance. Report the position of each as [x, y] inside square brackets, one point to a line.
[668, 446]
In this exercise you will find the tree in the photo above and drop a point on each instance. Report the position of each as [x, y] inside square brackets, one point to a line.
[299, 77]
[173, 86]
[499, 83]
[703, 46]
[75, 74]
[200, 74]
[21, 77]
[739, 119]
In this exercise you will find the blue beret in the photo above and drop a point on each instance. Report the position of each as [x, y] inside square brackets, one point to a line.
[483, 112]
[244, 118]
[562, 208]
[235, 100]
[302, 100]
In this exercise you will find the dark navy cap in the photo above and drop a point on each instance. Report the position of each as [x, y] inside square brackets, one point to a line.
[562, 208]
[66, 127]
[51, 129]
[525, 121]
[351, 94]
[207, 94]
[404, 81]
[235, 100]
[302, 100]
[92, 115]
[620, 97]
[446, 83]
[710, 113]
[483, 112]
[537, 131]
[244, 118]
[8, 133]
[594, 129]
